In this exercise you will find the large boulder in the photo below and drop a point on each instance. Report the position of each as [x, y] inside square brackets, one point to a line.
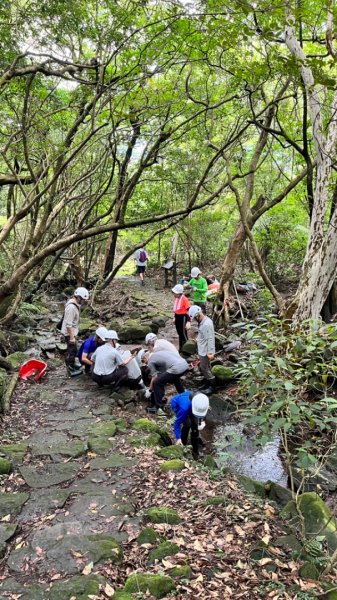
[132, 331]
[16, 359]
[223, 374]
[311, 512]
[221, 408]
[189, 348]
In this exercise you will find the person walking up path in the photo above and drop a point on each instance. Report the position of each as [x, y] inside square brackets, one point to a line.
[141, 257]
[181, 318]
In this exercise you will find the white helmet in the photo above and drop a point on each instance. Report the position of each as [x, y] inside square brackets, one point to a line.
[194, 311]
[200, 405]
[195, 272]
[150, 337]
[102, 333]
[82, 293]
[112, 335]
[140, 356]
[178, 289]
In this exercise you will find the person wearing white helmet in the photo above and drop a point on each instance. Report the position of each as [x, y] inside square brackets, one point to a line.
[190, 410]
[130, 361]
[89, 346]
[70, 327]
[109, 367]
[165, 368]
[180, 308]
[206, 346]
[156, 344]
[199, 287]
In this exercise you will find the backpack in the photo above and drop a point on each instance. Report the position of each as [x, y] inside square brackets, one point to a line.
[60, 323]
[142, 256]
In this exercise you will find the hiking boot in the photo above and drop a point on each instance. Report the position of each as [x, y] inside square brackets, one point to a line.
[74, 372]
[151, 409]
[208, 387]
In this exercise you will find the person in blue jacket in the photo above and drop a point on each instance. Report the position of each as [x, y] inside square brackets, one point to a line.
[190, 410]
[89, 346]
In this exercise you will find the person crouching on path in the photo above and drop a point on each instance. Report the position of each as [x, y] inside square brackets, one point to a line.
[190, 410]
[180, 307]
[134, 379]
[70, 326]
[89, 346]
[200, 288]
[156, 344]
[109, 368]
[141, 257]
[165, 367]
[206, 346]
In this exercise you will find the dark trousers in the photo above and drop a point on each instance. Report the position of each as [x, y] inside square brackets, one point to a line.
[191, 424]
[159, 386]
[180, 322]
[71, 352]
[117, 378]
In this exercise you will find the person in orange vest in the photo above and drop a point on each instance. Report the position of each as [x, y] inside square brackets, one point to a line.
[181, 318]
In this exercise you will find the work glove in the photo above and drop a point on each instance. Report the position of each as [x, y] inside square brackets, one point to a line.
[148, 393]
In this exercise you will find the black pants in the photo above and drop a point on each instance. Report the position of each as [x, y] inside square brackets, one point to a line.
[71, 352]
[180, 322]
[117, 378]
[159, 386]
[191, 424]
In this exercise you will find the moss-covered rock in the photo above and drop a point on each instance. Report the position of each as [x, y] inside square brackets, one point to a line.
[80, 587]
[163, 515]
[209, 462]
[172, 465]
[12, 503]
[87, 326]
[20, 341]
[216, 501]
[317, 518]
[149, 441]
[308, 571]
[99, 445]
[107, 547]
[5, 466]
[189, 348]
[106, 429]
[16, 359]
[164, 549]
[147, 536]
[122, 596]
[158, 585]
[144, 424]
[251, 485]
[121, 425]
[171, 452]
[182, 572]
[223, 374]
[15, 452]
[277, 493]
[132, 331]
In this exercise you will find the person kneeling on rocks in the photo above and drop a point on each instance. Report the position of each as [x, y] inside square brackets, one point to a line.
[130, 361]
[89, 346]
[190, 410]
[109, 367]
[165, 367]
[156, 344]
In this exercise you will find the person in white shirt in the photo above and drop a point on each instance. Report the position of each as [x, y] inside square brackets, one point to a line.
[109, 367]
[155, 344]
[206, 346]
[130, 361]
[141, 257]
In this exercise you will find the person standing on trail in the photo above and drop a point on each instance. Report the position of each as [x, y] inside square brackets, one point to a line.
[190, 410]
[181, 318]
[206, 346]
[165, 367]
[156, 344]
[109, 367]
[141, 257]
[89, 346]
[70, 326]
[199, 287]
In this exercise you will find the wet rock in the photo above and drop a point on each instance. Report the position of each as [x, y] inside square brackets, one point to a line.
[171, 452]
[251, 485]
[50, 474]
[172, 465]
[5, 466]
[189, 348]
[144, 424]
[132, 331]
[182, 572]
[223, 374]
[147, 536]
[316, 516]
[164, 549]
[158, 585]
[15, 452]
[163, 515]
[277, 493]
[16, 359]
[11, 504]
[221, 408]
[7, 530]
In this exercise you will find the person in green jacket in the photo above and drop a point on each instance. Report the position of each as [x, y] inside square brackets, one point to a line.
[200, 288]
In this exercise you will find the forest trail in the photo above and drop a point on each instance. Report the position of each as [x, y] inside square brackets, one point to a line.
[74, 512]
